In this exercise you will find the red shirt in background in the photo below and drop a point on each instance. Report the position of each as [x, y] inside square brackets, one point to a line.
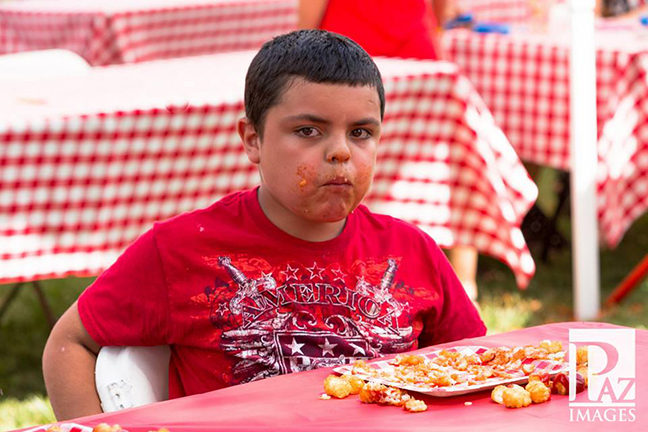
[404, 28]
[238, 299]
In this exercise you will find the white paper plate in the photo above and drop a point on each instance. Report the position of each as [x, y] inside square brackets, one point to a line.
[545, 366]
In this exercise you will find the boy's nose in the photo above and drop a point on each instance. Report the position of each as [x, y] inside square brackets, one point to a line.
[339, 150]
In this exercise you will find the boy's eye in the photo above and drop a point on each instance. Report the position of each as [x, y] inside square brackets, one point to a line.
[360, 133]
[308, 131]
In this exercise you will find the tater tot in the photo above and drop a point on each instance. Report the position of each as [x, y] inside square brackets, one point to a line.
[496, 394]
[355, 382]
[516, 397]
[372, 392]
[414, 405]
[539, 392]
[337, 387]
[581, 355]
[105, 427]
[551, 347]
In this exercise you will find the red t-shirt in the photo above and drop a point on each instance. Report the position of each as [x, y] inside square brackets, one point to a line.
[238, 299]
[404, 28]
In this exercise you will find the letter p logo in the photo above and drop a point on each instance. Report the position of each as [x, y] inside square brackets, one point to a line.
[611, 365]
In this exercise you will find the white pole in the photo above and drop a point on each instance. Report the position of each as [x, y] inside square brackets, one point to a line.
[584, 160]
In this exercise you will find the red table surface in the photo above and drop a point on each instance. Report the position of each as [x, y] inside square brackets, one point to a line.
[290, 403]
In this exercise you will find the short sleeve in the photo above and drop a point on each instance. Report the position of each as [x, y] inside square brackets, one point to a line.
[128, 304]
[458, 317]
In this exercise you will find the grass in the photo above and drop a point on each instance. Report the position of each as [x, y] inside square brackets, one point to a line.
[29, 411]
[23, 331]
[549, 295]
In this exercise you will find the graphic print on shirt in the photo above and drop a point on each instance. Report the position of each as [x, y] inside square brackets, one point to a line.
[313, 319]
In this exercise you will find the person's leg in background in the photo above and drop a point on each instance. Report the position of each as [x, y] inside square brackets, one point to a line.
[464, 261]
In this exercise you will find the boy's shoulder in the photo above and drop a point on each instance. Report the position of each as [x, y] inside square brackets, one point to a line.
[227, 210]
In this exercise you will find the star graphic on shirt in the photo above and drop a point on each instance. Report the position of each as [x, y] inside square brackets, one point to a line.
[290, 273]
[327, 347]
[357, 349]
[265, 275]
[339, 275]
[361, 281]
[296, 347]
[362, 286]
[314, 270]
[222, 308]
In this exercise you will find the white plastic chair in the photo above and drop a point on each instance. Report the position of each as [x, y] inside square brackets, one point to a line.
[127, 377]
[41, 64]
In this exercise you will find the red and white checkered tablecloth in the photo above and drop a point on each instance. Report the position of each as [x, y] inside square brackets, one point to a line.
[129, 31]
[516, 10]
[524, 80]
[497, 10]
[87, 164]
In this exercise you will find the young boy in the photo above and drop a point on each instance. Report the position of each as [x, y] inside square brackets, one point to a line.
[290, 276]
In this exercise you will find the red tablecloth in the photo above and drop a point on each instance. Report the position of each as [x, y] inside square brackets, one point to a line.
[290, 403]
[524, 79]
[87, 164]
[128, 31]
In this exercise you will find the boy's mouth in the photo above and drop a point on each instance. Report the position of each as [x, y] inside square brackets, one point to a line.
[338, 181]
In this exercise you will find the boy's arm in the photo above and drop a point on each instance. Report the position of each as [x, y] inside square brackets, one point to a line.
[458, 318]
[310, 13]
[68, 367]
[441, 11]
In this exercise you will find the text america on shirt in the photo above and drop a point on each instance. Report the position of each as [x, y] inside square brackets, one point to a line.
[312, 320]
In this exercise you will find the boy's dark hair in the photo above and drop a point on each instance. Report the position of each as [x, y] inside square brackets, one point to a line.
[317, 56]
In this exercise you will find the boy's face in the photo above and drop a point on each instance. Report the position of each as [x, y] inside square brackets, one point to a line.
[318, 150]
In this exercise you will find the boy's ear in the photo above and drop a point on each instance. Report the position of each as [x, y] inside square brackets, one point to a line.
[250, 138]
